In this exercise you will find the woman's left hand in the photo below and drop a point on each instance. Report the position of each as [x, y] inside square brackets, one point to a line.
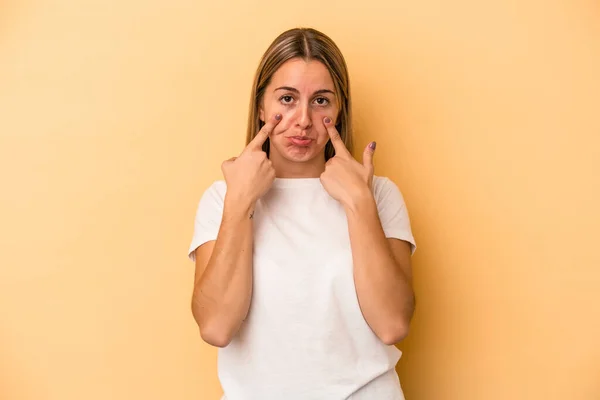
[344, 178]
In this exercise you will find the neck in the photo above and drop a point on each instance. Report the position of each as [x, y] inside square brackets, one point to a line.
[285, 168]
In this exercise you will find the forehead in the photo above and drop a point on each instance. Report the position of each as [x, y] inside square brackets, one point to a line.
[303, 75]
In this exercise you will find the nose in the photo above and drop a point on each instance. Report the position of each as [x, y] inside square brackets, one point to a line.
[303, 118]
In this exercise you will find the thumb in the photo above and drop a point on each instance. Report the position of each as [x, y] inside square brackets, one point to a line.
[368, 154]
[228, 162]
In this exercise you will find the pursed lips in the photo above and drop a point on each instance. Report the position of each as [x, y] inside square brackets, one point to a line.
[300, 140]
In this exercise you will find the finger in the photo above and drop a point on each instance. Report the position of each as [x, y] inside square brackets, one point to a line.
[336, 139]
[227, 162]
[263, 134]
[368, 154]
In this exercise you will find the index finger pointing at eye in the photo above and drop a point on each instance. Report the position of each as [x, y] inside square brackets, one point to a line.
[263, 134]
[336, 139]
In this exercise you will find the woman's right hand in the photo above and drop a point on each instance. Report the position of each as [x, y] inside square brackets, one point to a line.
[251, 174]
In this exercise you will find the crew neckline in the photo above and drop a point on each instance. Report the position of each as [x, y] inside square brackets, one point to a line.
[296, 182]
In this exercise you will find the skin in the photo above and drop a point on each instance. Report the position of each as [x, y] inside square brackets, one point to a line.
[299, 108]
[304, 94]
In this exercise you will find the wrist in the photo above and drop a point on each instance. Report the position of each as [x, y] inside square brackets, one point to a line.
[238, 205]
[360, 201]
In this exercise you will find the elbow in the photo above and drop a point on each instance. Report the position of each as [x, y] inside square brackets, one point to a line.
[212, 333]
[397, 329]
[395, 333]
[215, 337]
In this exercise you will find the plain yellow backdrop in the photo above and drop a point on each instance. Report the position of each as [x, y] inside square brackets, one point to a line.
[116, 115]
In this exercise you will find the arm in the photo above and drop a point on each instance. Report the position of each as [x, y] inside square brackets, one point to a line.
[382, 271]
[223, 281]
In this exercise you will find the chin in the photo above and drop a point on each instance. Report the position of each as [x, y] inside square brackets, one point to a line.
[300, 157]
[299, 154]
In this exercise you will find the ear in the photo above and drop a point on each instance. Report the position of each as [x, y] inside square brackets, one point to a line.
[261, 114]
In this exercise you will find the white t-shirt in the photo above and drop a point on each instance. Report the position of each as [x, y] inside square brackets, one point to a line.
[305, 337]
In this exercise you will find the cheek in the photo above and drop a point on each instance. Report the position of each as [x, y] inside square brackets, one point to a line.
[322, 134]
[284, 124]
[288, 119]
[275, 107]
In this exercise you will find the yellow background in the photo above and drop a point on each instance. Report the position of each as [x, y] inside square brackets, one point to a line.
[116, 115]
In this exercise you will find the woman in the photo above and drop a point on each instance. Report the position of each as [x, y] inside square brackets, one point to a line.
[303, 273]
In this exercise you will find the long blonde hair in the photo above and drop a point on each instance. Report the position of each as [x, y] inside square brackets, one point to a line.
[308, 44]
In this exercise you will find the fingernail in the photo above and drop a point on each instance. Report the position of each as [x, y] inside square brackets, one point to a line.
[278, 117]
[327, 120]
[372, 145]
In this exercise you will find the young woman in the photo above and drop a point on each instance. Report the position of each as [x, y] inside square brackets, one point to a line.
[303, 257]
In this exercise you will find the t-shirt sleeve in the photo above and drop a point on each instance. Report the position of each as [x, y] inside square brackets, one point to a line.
[208, 217]
[392, 211]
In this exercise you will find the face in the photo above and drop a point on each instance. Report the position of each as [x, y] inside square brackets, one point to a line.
[304, 94]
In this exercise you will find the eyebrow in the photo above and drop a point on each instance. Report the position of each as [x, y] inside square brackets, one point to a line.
[291, 89]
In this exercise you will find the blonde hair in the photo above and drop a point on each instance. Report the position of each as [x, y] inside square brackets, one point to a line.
[307, 44]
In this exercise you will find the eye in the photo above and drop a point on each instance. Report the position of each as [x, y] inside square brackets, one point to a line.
[286, 99]
[322, 101]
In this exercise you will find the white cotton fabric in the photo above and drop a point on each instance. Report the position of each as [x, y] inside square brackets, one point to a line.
[305, 337]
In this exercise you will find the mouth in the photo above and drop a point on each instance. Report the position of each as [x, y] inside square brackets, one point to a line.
[300, 140]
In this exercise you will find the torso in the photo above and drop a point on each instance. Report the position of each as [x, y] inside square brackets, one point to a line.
[305, 336]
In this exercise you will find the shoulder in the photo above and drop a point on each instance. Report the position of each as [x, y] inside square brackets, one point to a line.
[219, 186]
[381, 182]
[384, 189]
[213, 196]
[217, 189]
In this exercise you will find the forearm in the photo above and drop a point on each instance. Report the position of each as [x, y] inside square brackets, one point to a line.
[384, 291]
[222, 295]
